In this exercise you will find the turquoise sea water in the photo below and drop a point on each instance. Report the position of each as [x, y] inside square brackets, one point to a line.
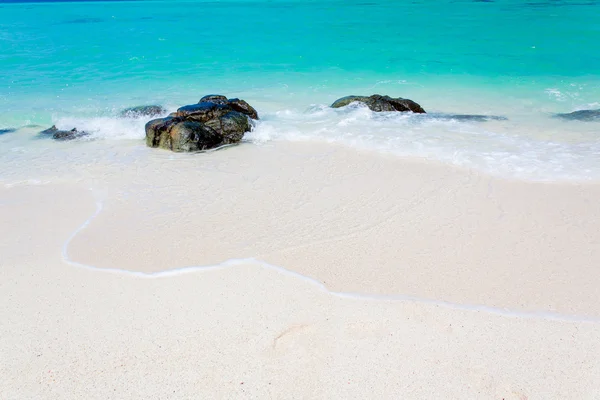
[79, 63]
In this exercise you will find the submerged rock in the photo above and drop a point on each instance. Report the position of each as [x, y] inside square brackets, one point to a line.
[215, 121]
[7, 130]
[142, 111]
[581, 115]
[58, 134]
[380, 103]
[470, 117]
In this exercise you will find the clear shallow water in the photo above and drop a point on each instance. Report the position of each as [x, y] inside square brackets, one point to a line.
[79, 63]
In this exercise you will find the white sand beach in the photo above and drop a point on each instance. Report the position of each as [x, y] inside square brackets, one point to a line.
[298, 270]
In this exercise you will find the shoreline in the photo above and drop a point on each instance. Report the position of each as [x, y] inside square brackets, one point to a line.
[356, 221]
[362, 222]
[226, 264]
[246, 328]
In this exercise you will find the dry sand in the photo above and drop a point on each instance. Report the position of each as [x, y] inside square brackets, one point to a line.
[502, 278]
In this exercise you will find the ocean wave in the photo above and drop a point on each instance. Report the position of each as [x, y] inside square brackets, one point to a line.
[513, 148]
[106, 127]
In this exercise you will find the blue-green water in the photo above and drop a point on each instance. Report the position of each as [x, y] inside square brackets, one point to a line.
[78, 63]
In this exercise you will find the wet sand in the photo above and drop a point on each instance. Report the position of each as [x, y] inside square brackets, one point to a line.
[350, 275]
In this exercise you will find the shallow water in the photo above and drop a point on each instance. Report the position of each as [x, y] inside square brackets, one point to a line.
[79, 63]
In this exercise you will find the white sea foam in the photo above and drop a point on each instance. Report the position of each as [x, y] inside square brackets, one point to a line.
[113, 128]
[544, 149]
[536, 150]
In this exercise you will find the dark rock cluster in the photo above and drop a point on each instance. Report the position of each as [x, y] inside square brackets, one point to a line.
[581, 115]
[143, 111]
[380, 103]
[213, 122]
[58, 134]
